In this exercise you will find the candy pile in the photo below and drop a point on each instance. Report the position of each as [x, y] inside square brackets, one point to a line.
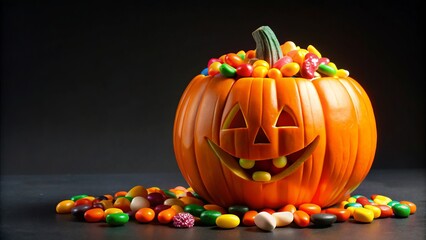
[182, 208]
[296, 62]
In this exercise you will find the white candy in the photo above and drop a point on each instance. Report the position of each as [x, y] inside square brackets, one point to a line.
[138, 203]
[283, 218]
[265, 221]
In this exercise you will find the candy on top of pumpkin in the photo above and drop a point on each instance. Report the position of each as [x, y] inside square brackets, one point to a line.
[286, 60]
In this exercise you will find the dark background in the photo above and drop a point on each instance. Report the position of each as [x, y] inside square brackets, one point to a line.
[93, 87]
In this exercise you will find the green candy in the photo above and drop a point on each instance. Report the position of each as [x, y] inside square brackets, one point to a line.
[392, 203]
[327, 70]
[169, 194]
[401, 210]
[208, 217]
[357, 196]
[117, 219]
[238, 210]
[353, 204]
[76, 197]
[194, 209]
[227, 70]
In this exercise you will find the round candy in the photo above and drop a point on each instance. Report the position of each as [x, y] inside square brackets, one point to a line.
[208, 217]
[265, 221]
[342, 214]
[139, 202]
[413, 207]
[248, 218]
[111, 210]
[78, 211]
[363, 215]
[323, 219]
[155, 198]
[288, 208]
[94, 215]
[401, 210]
[137, 191]
[76, 197]
[310, 208]
[301, 218]
[166, 216]
[64, 206]
[117, 219]
[227, 221]
[238, 210]
[145, 215]
[183, 220]
[194, 209]
[283, 218]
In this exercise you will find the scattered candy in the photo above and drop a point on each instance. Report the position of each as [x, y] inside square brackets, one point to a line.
[323, 219]
[183, 220]
[283, 218]
[183, 208]
[117, 219]
[265, 221]
[228, 221]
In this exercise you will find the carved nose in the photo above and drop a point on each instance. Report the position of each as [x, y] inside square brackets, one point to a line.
[261, 137]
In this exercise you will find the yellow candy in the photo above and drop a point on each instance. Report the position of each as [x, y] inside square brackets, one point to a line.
[352, 210]
[342, 204]
[290, 69]
[380, 201]
[214, 68]
[351, 199]
[331, 64]
[384, 198]
[275, 73]
[91, 198]
[279, 162]
[227, 221]
[260, 71]
[137, 191]
[112, 210]
[313, 50]
[298, 55]
[288, 46]
[261, 176]
[177, 208]
[173, 201]
[363, 215]
[261, 63]
[65, 206]
[342, 73]
[376, 210]
[246, 164]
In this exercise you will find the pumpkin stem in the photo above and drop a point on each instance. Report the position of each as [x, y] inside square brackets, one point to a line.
[267, 45]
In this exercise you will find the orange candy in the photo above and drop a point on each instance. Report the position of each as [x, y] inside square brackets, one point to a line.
[288, 208]
[145, 215]
[94, 215]
[310, 208]
[248, 218]
[120, 194]
[413, 207]
[166, 215]
[342, 214]
[123, 204]
[301, 218]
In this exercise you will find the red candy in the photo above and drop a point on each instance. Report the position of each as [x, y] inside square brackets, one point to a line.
[244, 70]
[309, 66]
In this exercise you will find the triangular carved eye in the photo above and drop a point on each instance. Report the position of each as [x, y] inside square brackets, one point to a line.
[235, 119]
[285, 119]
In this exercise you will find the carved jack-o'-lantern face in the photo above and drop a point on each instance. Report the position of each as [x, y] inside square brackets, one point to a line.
[266, 141]
[262, 134]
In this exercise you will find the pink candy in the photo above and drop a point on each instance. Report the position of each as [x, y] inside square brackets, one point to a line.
[183, 220]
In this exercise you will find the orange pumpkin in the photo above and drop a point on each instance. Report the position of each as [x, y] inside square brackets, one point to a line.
[316, 138]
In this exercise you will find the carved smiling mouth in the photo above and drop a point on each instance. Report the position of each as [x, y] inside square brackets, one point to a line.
[264, 170]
